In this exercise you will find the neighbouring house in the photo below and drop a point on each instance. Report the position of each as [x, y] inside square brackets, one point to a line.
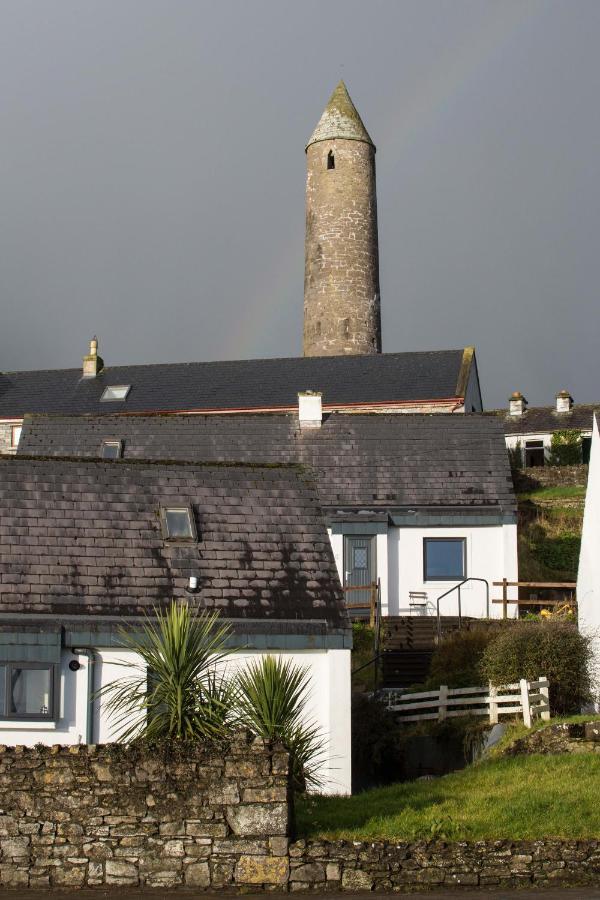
[529, 429]
[418, 503]
[89, 547]
[588, 577]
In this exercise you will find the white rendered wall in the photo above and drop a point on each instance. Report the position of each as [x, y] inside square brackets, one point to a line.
[588, 577]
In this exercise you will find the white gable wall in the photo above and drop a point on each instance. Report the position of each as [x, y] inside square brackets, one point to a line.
[588, 578]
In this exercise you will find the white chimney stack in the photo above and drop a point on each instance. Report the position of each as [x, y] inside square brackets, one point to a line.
[310, 409]
[564, 402]
[516, 404]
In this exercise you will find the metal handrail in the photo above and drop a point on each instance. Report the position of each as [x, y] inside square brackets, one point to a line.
[457, 587]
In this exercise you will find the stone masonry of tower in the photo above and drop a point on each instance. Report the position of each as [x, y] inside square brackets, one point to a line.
[342, 312]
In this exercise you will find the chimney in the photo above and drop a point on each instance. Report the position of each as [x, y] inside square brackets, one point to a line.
[564, 402]
[310, 409]
[517, 404]
[92, 363]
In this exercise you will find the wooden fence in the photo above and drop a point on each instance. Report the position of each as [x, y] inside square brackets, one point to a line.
[567, 587]
[527, 698]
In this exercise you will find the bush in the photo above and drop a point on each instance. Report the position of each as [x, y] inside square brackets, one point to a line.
[457, 659]
[555, 649]
[565, 448]
[376, 754]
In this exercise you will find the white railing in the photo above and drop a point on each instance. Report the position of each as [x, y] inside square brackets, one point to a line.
[527, 698]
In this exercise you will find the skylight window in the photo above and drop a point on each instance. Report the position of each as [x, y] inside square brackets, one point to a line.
[178, 523]
[111, 449]
[116, 392]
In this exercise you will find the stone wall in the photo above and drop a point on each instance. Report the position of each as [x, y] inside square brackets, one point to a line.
[76, 816]
[563, 737]
[321, 865]
[549, 476]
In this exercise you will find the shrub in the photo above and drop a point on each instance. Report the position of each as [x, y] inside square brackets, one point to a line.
[515, 456]
[565, 448]
[552, 648]
[457, 659]
[376, 754]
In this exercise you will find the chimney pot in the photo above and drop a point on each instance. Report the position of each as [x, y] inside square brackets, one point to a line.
[516, 404]
[310, 409]
[564, 402]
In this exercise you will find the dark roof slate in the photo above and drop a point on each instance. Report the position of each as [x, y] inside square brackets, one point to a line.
[545, 419]
[84, 538]
[237, 384]
[378, 461]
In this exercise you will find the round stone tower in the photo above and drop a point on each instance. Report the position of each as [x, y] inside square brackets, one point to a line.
[342, 312]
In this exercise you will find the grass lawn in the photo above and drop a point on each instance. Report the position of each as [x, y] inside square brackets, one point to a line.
[568, 491]
[516, 798]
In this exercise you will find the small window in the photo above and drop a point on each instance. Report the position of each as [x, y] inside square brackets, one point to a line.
[330, 160]
[111, 449]
[535, 455]
[15, 436]
[116, 392]
[178, 523]
[444, 559]
[27, 691]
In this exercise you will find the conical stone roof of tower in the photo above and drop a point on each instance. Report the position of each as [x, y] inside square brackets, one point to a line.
[340, 119]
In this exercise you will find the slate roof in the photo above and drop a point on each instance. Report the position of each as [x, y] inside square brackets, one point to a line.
[240, 384]
[367, 461]
[545, 419]
[84, 538]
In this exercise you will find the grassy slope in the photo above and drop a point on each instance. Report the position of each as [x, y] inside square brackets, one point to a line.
[515, 798]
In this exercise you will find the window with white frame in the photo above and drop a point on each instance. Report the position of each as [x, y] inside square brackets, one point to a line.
[444, 559]
[111, 449]
[115, 392]
[178, 523]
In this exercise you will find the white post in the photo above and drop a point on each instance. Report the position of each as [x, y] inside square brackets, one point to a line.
[493, 692]
[443, 707]
[525, 702]
[545, 692]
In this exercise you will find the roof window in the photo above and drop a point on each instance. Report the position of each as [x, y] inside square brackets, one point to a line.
[178, 523]
[111, 449]
[116, 392]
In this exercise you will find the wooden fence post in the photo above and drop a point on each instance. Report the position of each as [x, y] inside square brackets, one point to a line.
[504, 598]
[545, 692]
[525, 702]
[493, 693]
[443, 707]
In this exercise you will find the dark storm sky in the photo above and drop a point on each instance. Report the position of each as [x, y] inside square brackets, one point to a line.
[152, 178]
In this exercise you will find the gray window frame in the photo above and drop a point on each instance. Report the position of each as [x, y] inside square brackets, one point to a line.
[52, 714]
[165, 528]
[113, 387]
[455, 540]
[107, 441]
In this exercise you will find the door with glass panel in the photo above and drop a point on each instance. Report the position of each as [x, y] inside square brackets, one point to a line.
[359, 571]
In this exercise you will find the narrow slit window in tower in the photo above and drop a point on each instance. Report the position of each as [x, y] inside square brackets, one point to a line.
[330, 160]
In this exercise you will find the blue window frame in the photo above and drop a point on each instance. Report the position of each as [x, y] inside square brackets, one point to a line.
[444, 559]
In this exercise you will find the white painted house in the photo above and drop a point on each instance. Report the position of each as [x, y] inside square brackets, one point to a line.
[588, 576]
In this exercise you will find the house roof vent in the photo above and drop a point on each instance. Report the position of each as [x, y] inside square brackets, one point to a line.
[517, 404]
[564, 402]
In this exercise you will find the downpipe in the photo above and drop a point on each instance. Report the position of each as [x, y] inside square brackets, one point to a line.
[91, 658]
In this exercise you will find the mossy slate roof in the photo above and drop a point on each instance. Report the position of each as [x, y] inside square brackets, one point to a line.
[84, 538]
[360, 461]
[238, 384]
[543, 419]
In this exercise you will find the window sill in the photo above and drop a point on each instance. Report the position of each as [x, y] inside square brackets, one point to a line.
[27, 725]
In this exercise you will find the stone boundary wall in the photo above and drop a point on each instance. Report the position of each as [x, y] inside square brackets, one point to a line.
[549, 476]
[220, 819]
[563, 737]
[323, 865]
[108, 815]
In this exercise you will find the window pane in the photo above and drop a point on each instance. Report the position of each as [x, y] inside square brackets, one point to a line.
[360, 557]
[111, 450]
[116, 392]
[29, 692]
[444, 559]
[178, 523]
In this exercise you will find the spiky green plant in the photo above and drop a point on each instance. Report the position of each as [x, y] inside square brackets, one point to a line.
[272, 701]
[177, 690]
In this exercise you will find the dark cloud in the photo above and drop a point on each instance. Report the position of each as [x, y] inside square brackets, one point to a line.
[152, 178]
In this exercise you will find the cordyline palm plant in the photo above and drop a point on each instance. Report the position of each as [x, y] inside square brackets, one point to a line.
[177, 690]
[272, 699]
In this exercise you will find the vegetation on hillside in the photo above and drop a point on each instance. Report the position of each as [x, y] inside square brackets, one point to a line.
[549, 538]
[518, 798]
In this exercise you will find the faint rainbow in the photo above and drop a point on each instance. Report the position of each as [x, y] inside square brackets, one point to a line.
[454, 72]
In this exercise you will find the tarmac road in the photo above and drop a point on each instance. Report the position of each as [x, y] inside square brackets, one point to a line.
[134, 894]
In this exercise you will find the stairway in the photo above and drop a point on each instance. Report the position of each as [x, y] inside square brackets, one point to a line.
[408, 643]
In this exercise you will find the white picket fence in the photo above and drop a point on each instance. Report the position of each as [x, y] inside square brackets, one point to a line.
[527, 698]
